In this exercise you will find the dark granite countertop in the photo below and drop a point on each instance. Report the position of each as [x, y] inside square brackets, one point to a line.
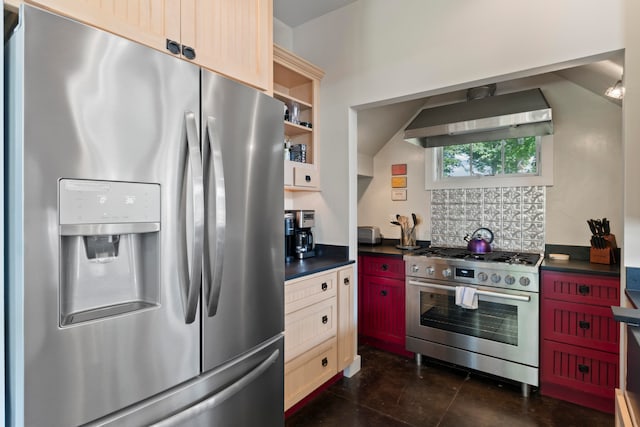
[634, 297]
[304, 267]
[581, 267]
[327, 258]
[387, 247]
[578, 262]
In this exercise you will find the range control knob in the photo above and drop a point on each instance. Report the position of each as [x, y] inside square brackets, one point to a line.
[482, 276]
[495, 278]
[446, 272]
[509, 279]
[525, 281]
[430, 271]
[414, 268]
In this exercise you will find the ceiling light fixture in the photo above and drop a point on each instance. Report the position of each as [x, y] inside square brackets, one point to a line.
[616, 91]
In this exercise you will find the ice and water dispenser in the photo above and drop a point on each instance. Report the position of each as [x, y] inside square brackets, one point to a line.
[109, 248]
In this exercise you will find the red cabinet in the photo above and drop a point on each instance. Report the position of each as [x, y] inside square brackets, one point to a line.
[381, 299]
[383, 309]
[580, 340]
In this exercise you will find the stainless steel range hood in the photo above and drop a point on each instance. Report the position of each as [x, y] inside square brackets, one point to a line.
[512, 115]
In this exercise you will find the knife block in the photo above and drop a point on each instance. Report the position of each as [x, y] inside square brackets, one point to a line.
[605, 255]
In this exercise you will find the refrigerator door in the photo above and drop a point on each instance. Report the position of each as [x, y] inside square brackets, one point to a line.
[246, 391]
[242, 136]
[101, 308]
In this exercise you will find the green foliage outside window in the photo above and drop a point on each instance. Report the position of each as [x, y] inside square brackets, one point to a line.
[490, 158]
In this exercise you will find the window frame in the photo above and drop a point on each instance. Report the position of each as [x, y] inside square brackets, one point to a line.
[435, 181]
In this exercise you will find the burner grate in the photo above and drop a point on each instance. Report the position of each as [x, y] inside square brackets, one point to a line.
[521, 258]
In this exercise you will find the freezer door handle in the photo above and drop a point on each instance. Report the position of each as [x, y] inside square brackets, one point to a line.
[216, 222]
[191, 284]
[182, 417]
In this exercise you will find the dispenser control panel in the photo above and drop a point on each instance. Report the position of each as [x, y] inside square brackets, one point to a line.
[96, 202]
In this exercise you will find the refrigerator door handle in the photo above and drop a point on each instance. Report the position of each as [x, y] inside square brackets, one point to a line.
[181, 418]
[216, 213]
[191, 285]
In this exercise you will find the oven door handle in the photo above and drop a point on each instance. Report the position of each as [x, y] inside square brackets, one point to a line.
[478, 292]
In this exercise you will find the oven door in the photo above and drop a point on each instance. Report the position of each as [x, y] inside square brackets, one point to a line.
[504, 326]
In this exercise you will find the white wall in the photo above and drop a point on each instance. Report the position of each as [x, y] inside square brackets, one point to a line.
[588, 175]
[587, 169]
[375, 50]
[375, 204]
[631, 113]
[282, 34]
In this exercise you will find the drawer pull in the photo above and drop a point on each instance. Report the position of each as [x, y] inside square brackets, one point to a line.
[307, 178]
[346, 281]
[383, 293]
[325, 286]
[584, 324]
[384, 267]
[583, 368]
[325, 319]
[583, 289]
[325, 362]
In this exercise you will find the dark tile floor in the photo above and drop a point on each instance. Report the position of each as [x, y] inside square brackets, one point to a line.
[392, 391]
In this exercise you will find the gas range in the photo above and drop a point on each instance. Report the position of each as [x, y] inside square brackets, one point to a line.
[499, 269]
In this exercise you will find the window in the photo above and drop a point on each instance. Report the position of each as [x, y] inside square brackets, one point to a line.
[522, 161]
[513, 156]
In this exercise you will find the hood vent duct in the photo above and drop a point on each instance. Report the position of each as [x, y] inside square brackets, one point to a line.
[490, 118]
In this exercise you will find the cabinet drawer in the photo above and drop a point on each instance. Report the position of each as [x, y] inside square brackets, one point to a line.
[305, 177]
[384, 266]
[587, 371]
[585, 289]
[300, 293]
[306, 328]
[585, 325]
[308, 372]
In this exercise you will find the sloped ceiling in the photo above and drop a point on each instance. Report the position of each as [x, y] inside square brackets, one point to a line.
[377, 125]
[297, 12]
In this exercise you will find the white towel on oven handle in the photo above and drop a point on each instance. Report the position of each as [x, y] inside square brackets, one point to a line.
[466, 297]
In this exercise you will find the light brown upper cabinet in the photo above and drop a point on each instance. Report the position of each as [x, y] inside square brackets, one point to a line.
[297, 84]
[230, 37]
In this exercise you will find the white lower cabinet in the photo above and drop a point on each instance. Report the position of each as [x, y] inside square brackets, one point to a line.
[319, 326]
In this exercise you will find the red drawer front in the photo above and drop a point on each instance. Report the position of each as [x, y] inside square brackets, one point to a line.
[580, 324]
[585, 289]
[590, 371]
[383, 266]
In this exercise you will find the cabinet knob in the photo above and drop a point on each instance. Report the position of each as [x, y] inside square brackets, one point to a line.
[325, 319]
[307, 178]
[583, 289]
[188, 52]
[584, 324]
[583, 368]
[383, 293]
[346, 281]
[173, 47]
[324, 286]
[384, 267]
[325, 362]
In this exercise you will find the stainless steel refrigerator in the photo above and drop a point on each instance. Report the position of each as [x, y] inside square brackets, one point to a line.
[144, 236]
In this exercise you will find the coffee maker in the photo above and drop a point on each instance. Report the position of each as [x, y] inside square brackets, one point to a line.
[303, 245]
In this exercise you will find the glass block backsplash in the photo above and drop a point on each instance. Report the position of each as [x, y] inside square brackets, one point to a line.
[514, 214]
